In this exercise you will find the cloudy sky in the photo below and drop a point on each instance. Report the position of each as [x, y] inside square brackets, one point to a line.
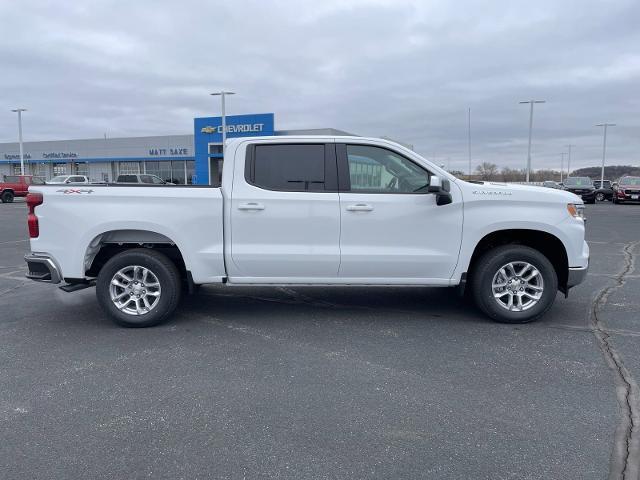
[403, 69]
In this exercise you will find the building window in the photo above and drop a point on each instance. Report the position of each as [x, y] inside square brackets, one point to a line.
[16, 169]
[215, 148]
[191, 171]
[40, 170]
[128, 168]
[82, 169]
[177, 172]
[59, 169]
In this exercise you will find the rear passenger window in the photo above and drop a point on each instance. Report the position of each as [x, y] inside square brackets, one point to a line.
[294, 168]
[146, 178]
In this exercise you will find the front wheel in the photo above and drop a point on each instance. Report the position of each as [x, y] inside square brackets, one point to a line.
[514, 284]
[138, 288]
[600, 197]
[7, 197]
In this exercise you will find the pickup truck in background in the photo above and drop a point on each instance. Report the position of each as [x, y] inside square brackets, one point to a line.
[62, 179]
[13, 186]
[314, 211]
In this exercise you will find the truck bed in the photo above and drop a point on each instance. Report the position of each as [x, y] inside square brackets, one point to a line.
[73, 219]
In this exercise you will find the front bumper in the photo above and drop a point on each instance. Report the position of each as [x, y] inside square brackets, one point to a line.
[42, 268]
[576, 276]
[588, 197]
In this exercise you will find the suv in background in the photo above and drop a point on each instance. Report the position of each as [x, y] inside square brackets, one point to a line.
[16, 186]
[142, 178]
[581, 186]
[604, 191]
[627, 190]
[61, 179]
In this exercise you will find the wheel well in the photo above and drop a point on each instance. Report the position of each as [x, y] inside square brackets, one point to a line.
[108, 244]
[547, 244]
[6, 190]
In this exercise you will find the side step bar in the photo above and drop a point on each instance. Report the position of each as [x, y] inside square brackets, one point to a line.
[74, 287]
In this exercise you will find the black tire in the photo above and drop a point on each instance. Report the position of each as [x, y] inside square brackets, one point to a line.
[601, 197]
[161, 267]
[491, 262]
[7, 197]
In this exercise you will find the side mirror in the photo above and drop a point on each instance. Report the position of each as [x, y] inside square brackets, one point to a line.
[67, 181]
[441, 188]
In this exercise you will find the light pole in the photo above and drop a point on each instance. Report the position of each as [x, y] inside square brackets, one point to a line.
[222, 95]
[469, 139]
[562, 154]
[19, 112]
[569, 159]
[531, 102]
[604, 149]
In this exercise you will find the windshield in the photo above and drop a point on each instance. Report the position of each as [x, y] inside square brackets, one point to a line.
[58, 179]
[630, 181]
[578, 182]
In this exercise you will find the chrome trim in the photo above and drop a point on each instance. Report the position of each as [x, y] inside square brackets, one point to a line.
[54, 273]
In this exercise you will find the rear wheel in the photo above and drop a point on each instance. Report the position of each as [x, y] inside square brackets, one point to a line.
[514, 284]
[7, 197]
[139, 288]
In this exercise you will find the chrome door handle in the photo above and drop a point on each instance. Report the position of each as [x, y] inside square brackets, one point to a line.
[251, 206]
[360, 207]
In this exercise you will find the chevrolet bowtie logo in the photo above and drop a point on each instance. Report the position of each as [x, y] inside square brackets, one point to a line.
[208, 129]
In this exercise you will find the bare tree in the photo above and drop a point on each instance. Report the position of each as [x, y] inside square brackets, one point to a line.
[487, 171]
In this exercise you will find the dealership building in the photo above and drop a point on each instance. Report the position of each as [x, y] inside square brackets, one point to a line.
[181, 159]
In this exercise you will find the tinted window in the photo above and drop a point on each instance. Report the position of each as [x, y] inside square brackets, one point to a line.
[578, 181]
[289, 167]
[12, 179]
[630, 181]
[77, 179]
[146, 178]
[128, 179]
[378, 170]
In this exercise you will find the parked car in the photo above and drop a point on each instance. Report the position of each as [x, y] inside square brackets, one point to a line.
[551, 184]
[61, 179]
[311, 210]
[16, 186]
[604, 191]
[581, 186]
[142, 178]
[627, 190]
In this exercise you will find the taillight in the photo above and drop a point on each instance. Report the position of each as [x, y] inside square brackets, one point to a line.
[33, 200]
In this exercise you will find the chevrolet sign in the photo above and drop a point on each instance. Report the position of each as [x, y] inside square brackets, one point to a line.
[240, 128]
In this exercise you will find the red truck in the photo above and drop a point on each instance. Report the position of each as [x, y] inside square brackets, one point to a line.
[16, 186]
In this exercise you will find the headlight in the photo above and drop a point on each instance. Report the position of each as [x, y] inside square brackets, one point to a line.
[576, 210]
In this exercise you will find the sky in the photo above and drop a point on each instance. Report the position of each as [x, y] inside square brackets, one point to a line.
[408, 70]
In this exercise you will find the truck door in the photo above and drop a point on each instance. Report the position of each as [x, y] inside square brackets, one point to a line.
[392, 231]
[285, 214]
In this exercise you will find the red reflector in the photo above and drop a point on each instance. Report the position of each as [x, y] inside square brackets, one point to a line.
[33, 200]
[34, 228]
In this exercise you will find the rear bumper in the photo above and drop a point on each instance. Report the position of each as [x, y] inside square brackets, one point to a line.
[42, 268]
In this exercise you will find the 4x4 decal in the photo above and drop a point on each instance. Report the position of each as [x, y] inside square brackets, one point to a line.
[79, 191]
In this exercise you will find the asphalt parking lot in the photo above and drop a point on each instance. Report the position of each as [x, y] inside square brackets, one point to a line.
[323, 383]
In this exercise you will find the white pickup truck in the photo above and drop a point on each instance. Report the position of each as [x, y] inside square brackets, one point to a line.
[310, 210]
